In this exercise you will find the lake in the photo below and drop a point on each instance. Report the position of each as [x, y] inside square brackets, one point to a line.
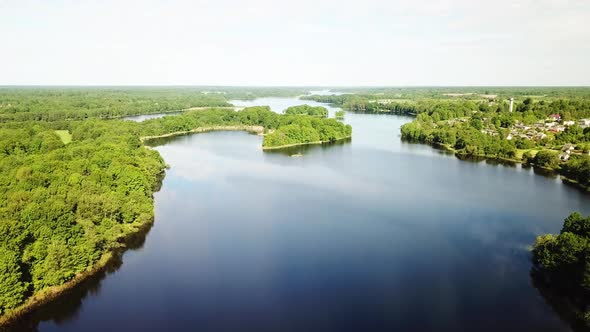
[371, 235]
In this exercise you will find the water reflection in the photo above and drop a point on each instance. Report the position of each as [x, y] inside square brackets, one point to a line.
[301, 150]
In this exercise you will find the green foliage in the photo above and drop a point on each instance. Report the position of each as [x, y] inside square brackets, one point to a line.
[564, 260]
[54, 104]
[546, 159]
[300, 130]
[12, 287]
[63, 206]
[578, 169]
[317, 111]
[573, 134]
[339, 115]
[64, 135]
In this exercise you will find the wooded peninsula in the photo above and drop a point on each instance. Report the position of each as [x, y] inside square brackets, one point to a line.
[72, 190]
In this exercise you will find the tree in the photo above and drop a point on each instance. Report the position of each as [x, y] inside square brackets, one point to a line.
[546, 159]
[12, 287]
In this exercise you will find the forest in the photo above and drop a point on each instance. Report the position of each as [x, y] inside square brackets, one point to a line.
[71, 191]
[63, 206]
[54, 104]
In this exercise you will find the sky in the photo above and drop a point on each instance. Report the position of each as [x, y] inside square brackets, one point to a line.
[302, 43]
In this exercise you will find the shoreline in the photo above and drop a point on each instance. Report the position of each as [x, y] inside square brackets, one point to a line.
[301, 144]
[564, 179]
[251, 129]
[49, 294]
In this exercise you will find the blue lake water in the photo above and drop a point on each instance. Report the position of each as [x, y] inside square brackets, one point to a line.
[371, 235]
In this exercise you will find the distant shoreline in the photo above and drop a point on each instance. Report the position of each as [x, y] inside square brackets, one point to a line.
[458, 155]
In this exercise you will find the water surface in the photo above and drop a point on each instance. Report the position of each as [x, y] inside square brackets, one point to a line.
[372, 235]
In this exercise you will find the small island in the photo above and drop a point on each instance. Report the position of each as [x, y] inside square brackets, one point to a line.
[303, 131]
[317, 111]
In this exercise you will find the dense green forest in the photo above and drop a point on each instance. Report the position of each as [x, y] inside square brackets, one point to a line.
[563, 263]
[63, 206]
[318, 111]
[71, 190]
[53, 104]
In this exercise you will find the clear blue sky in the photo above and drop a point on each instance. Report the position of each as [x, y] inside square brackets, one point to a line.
[303, 42]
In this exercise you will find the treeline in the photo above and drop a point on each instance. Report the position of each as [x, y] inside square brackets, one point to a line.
[249, 93]
[563, 263]
[445, 109]
[318, 111]
[55, 104]
[569, 109]
[468, 92]
[526, 109]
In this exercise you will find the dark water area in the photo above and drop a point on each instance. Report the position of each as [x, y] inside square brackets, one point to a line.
[374, 234]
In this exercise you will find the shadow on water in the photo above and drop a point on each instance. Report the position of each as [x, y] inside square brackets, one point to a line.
[300, 150]
[545, 172]
[487, 160]
[567, 304]
[67, 306]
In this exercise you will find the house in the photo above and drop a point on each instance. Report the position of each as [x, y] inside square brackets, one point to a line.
[541, 136]
[568, 148]
[584, 122]
[564, 156]
[569, 123]
[554, 117]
